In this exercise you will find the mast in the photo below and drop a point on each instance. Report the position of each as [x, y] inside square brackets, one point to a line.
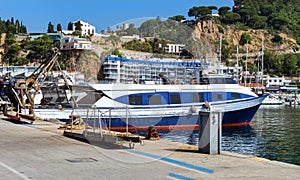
[237, 63]
[246, 72]
[262, 62]
[220, 55]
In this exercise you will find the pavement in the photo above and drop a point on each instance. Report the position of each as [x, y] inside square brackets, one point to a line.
[40, 151]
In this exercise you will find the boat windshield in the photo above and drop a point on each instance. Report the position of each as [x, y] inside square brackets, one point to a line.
[218, 80]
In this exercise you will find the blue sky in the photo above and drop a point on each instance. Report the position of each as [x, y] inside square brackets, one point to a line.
[36, 14]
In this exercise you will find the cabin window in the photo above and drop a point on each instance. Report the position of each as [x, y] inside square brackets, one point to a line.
[235, 96]
[135, 100]
[60, 99]
[217, 97]
[198, 97]
[175, 99]
[154, 99]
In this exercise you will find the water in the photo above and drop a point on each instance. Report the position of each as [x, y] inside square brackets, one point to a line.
[274, 134]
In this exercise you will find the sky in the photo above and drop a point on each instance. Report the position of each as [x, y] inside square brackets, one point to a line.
[36, 14]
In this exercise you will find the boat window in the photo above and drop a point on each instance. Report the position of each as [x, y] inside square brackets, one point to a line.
[135, 100]
[154, 99]
[175, 99]
[236, 96]
[221, 81]
[197, 97]
[217, 97]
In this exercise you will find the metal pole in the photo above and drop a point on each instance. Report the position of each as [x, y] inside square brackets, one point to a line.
[94, 120]
[100, 124]
[246, 72]
[237, 63]
[220, 55]
[262, 62]
[109, 123]
[126, 120]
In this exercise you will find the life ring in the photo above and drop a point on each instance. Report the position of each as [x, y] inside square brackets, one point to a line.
[194, 81]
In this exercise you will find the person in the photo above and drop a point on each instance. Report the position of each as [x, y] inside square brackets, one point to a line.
[205, 106]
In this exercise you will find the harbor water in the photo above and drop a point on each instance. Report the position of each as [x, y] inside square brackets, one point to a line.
[274, 133]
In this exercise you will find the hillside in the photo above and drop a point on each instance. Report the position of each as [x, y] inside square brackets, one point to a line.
[232, 36]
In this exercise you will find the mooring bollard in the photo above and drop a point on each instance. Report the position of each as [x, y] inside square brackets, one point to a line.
[210, 132]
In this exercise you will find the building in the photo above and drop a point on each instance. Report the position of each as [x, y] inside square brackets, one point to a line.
[76, 43]
[56, 36]
[86, 28]
[125, 70]
[174, 48]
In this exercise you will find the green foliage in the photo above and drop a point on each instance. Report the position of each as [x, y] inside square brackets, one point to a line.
[50, 28]
[277, 38]
[77, 33]
[117, 52]
[245, 37]
[78, 26]
[273, 15]
[223, 10]
[11, 27]
[178, 18]
[40, 48]
[58, 27]
[201, 12]
[70, 26]
[138, 45]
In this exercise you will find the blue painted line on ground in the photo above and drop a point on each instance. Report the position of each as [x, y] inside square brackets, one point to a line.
[30, 126]
[178, 176]
[173, 161]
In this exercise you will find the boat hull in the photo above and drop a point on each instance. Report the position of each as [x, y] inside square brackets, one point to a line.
[164, 118]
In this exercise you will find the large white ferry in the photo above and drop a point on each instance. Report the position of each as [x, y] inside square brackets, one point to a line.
[150, 101]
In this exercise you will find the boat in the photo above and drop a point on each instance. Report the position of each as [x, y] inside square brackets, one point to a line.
[167, 94]
[273, 100]
[121, 107]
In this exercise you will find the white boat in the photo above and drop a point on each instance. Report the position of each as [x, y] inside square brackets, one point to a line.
[176, 93]
[273, 100]
[164, 106]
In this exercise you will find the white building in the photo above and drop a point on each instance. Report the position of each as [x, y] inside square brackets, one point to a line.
[174, 48]
[76, 43]
[86, 28]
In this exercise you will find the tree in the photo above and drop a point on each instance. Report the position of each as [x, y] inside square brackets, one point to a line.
[70, 26]
[40, 48]
[17, 25]
[277, 38]
[278, 20]
[58, 27]
[194, 12]
[50, 28]
[257, 22]
[178, 18]
[230, 18]
[78, 26]
[244, 38]
[222, 11]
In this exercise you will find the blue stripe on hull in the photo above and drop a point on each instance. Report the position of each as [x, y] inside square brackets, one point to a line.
[240, 117]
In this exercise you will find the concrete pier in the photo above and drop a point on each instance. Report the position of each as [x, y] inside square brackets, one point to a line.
[40, 151]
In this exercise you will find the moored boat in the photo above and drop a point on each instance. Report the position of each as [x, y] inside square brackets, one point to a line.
[137, 106]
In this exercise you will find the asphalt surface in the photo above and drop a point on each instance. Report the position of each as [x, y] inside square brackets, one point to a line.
[40, 151]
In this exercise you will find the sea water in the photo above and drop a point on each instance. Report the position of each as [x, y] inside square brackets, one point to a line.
[274, 133]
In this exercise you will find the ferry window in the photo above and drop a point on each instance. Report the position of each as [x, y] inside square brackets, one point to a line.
[135, 100]
[217, 97]
[235, 96]
[197, 97]
[154, 99]
[229, 81]
[175, 99]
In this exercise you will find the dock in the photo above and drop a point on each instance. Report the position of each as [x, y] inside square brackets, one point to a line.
[41, 151]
